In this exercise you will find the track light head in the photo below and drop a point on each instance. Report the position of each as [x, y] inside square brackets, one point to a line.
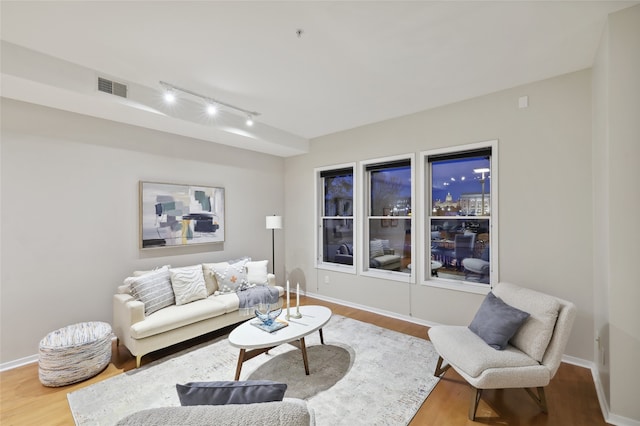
[169, 96]
[212, 109]
[249, 121]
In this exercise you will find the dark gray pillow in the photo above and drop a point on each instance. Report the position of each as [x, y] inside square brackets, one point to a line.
[496, 322]
[222, 393]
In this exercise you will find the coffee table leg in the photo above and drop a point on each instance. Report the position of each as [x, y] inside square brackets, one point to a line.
[321, 336]
[240, 361]
[303, 348]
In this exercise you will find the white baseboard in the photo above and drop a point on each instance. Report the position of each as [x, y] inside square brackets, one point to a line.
[18, 362]
[373, 310]
[609, 417]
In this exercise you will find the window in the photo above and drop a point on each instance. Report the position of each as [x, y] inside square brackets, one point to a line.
[336, 231]
[461, 211]
[388, 224]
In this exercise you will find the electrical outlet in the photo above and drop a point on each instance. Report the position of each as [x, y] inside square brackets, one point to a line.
[326, 279]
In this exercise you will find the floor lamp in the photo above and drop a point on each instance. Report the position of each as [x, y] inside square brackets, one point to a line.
[273, 222]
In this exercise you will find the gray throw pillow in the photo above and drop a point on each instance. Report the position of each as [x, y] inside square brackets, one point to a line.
[222, 393]
[496, 322]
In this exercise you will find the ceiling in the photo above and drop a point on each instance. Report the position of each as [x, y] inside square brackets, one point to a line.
[315, 68]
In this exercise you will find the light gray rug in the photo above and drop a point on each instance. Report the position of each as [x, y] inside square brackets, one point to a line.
[363, 374]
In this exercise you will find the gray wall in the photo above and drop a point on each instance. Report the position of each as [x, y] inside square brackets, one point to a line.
[545, 225]
[616, 152]
[70, 213]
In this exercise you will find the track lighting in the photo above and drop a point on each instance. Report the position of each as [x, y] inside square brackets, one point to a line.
[169, 96]
[212, 105]
[212, 109]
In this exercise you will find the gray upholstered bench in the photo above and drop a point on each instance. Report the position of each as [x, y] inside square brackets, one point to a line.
[74, 353]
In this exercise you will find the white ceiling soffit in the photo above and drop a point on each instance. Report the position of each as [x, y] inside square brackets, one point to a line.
[310, 68]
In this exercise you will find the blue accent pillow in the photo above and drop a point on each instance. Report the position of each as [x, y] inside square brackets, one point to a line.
[496, 322]
[227, 392]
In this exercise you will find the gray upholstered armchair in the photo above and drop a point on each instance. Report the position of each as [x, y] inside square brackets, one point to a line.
[527, 359]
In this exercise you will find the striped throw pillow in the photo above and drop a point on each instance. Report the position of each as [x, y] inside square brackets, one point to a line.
[153, 289]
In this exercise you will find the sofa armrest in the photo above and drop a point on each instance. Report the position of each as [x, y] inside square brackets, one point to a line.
[126, 312]
[271, 279]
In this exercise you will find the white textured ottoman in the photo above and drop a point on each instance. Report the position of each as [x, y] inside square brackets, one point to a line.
[74, 353]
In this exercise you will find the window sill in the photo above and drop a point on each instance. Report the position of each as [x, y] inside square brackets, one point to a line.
[458, 285]
[337, 267]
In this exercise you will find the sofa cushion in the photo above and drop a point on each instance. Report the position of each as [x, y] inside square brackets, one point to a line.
[188, 284]
[464, 350]
[153, 289]
[534, 335]
[175, 316]
[230, 392]
[230, 276]
[496, 322]
[257, 272]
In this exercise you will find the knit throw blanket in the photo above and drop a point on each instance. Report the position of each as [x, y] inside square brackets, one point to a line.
[252, 296]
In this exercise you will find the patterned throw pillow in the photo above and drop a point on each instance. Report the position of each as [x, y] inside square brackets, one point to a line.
[230, 276]
[153, 289]
[188, 284]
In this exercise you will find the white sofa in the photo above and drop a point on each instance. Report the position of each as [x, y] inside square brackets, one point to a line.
[142, 334]
[289, 412]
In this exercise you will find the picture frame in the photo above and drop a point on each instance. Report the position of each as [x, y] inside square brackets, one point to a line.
[175, 215]
[385, 223]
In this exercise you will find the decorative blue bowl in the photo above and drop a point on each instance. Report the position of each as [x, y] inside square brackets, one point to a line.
[268, 313]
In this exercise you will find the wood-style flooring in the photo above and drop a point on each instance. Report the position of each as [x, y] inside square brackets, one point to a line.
[571, 396]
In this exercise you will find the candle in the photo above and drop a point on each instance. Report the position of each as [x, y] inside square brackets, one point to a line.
[298, 295]
[288, 298]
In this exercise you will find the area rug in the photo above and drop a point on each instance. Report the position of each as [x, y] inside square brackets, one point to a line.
[364, 374]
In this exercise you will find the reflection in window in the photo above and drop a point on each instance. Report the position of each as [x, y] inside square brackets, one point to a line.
[336, 231]
[389, 216]
[460, 225]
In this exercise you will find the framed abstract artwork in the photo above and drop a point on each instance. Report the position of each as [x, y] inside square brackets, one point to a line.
[174, 215]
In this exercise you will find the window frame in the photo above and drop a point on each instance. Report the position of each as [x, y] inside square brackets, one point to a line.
[319, 209]
[425, 220]
[364, 200]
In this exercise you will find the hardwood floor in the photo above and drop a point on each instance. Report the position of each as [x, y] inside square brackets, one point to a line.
[571, 396]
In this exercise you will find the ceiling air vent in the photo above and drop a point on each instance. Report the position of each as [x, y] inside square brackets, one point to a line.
[112, 87]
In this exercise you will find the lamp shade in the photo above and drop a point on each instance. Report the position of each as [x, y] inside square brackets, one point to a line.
[274, 222]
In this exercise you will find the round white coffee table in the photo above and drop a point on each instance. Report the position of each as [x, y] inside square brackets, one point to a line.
[253, 341]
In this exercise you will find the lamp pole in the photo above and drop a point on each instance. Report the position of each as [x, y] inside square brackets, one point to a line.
[482, 179]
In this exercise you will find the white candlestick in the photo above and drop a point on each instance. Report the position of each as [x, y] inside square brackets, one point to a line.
[298, 295]
[288, 302]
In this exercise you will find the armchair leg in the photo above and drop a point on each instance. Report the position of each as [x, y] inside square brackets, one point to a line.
[540, 399]
[475, 399]
[439, 369]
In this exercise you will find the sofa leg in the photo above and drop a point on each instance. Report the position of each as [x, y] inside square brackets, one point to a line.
[138, 359]
[475, 399]
[439, 369]
[540, 399]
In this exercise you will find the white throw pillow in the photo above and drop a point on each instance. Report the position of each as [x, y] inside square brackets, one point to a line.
[534, 335]
[257, 272]
[153, 289]
[188, 284]
[375, 248]
[210, 277]
[230, 276]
